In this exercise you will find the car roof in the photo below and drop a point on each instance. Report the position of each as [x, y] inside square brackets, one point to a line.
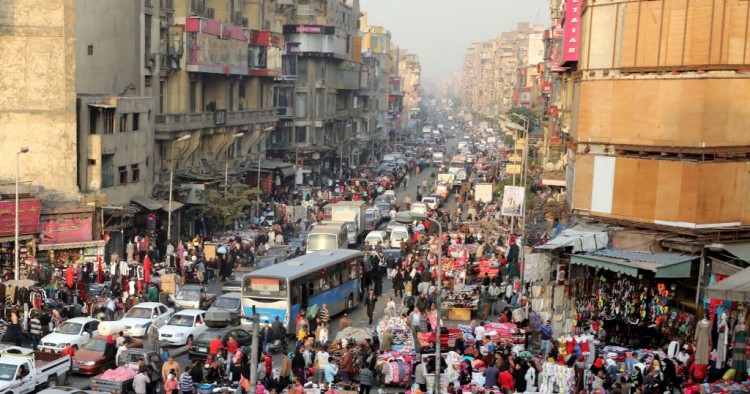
[189, 312]
[154, 304]
[231, 295]
[83, 320]
[376, 233]
[185, 287]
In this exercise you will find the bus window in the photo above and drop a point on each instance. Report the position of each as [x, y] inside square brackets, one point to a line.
[295, 295]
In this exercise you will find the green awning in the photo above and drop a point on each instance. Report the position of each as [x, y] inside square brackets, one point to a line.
[664, 265]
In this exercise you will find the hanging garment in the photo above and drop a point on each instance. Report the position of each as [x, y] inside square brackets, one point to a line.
[721, 345]
[702, 332]
[739, 355]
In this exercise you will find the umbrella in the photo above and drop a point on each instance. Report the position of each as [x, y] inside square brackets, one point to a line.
[358, 334]
[222, 249]
[21, 282]
[312, 311]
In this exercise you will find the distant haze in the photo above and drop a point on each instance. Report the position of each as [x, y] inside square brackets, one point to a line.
[440, 31]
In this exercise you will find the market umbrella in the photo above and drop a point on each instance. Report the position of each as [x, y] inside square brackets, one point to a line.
[222, 249]
[21, 282]
[358, 334]
[146, 269]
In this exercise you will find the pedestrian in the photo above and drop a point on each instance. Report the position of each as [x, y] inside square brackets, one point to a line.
[398, 282]
[35, 330]
[70, 352]
[370, 302]
[345, 322]
[170, 367]
[171, 386]
[141, 380]
[186, 382]
[152, 335]
[330, 371]
[545, 335]
[366, 380]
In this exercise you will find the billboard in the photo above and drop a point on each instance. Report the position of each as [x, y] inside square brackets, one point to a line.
[572, 30]
[513, 197]
[29, 212]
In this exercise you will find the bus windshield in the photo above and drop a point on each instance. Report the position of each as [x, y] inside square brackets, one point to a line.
[322, 242]
[264, 287]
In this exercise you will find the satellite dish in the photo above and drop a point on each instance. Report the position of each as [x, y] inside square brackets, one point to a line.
[94, 185]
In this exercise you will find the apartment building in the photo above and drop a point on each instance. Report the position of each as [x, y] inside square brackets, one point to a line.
[376, 44]
[410, 70]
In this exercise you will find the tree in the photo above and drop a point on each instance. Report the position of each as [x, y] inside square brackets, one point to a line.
[525, 112]
[226, 208]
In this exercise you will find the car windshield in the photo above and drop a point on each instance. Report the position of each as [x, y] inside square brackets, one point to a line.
[69, 328]
[263, 263]
[181, 321]
[139, 313]
[7, 372]
[227, 303]
[96, 344]
[207, 336]
[188, 294]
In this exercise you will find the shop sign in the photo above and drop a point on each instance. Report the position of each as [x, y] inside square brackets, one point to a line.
[572, 30]
[513, 197]
[29, 212]
[66, 231]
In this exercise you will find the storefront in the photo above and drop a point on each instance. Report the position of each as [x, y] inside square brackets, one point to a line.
[29, 212]
[67, 242]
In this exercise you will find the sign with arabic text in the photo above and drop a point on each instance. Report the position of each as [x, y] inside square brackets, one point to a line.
[29, 212]
[513, 201]
[66, 231]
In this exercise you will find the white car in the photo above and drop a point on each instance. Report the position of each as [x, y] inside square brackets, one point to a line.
[418, 208]
[183, 326]
[374, 236]
[393, 225]
[66, 390]
[76, 331]
[389, 196]
[138, 319]
[398, 235]
[431, 202]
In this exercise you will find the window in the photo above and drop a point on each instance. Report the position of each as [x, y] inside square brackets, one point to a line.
[230, 97]
[162, 98]
[123, 123]
[241, 91]
[302, 71]
[91, 49]
[193, 95]
[300, 105]
[108, 170]
[135, 173]
[136, 125]
[301, 134]
[123, 171]
[320, 103]
[108, 117]
[289, 65]
[282, 97]
[147, 34]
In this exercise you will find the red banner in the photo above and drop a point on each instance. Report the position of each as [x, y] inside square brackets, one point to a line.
[66, 231]
[572, 30]
[28, 217]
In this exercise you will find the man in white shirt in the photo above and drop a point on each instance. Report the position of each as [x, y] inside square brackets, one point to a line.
[494, 291]
[479, 333]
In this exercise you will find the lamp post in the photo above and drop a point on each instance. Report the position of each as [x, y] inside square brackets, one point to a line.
[226, 164]
[171, 185]
[21, 151]
[524, 176]
[408, 218]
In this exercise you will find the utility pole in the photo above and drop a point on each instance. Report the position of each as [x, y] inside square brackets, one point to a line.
[254, 353]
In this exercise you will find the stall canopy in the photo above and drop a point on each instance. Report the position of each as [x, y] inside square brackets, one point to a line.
[733, 288]
[286, 169]
[147, 202]
[664, 265]
[581, 241]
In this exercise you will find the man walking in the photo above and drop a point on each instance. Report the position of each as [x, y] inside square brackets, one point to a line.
[370, 302]
[545, 335]
[494, 291]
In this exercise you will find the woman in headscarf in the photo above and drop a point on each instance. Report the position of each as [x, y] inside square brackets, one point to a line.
[110, 351]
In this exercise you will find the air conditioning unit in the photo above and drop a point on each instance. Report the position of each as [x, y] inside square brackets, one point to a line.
[150, 61]
[284, 111]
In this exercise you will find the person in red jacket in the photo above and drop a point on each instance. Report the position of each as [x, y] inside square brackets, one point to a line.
[506, 379]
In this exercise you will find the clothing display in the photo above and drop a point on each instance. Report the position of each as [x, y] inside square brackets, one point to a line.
[721, 345]
[555, 378]
[739, 355]
[402, 336]
[703, 347]
[467, 297]
[396, 367]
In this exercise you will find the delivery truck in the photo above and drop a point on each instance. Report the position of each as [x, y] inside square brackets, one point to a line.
[483, 192]
[351, 212]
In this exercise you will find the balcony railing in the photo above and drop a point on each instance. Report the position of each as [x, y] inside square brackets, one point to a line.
[191, 121]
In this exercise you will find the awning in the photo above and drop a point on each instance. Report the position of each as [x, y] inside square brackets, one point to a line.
[287, 171]
[733, 288]
[581, 241]
[741, 250]
[175, 205]
[101, 106]
[147, 202]
[72, 245]
[664, 265]
[13, 238]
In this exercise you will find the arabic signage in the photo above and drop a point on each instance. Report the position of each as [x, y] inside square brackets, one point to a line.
[66, 231]
[572, 30]
[28, 217]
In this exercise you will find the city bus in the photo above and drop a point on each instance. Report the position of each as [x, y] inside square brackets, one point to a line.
[331, 277]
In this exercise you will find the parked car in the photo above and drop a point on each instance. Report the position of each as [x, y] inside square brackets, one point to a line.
[268, 261]
[138, 319]
[194, 297]
[389, 196]
[419, 208]
[392, 225]
[233, 284]
[66, 390]
[283, 251]
[198, 349]
[76, 331]
[398, 235]
[89, 359]
[385, 209]
[232, 303]
[431, 202]
[183, 326]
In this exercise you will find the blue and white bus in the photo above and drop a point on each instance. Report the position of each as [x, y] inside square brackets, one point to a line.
[331, 277]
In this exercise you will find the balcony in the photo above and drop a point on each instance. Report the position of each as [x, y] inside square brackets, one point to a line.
[167, 123]
[314, 41]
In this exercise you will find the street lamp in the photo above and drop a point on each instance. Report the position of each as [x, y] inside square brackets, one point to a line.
[171, 184]
[23, 149]
[226, 164]
[409, 218]
[524, 176]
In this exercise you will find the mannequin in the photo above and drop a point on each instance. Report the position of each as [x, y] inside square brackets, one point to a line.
[721, 346]
[739, 356]
[124, 268]
[702, 346]
[129, 250]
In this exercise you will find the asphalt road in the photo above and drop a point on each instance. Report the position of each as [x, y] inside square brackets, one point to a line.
[358, 316]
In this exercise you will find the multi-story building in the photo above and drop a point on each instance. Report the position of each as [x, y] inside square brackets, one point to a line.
[653, 94]
[410, 70]
[376, 43]
[321, 78]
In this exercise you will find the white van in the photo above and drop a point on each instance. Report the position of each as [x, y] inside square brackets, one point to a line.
[418, 208]
[373, 237]
[398, 235]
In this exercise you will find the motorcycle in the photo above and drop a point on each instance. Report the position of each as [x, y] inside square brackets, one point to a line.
[278, 345]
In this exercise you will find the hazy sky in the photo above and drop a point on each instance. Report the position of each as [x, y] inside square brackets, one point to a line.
[440, 31]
